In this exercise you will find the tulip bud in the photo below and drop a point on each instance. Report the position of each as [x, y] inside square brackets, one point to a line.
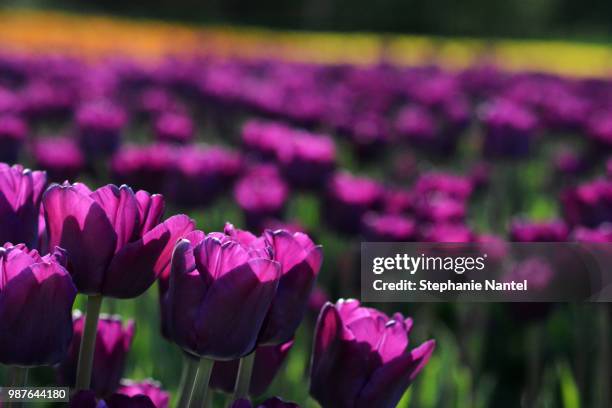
[99, 126]
[388, 228]
[174, 128]
[220, 292]
[20, 195]
[300, 261]
[37, 331]
[370, 346]
[589, 204]
[147, 167]
[113, 342]
[268, 360]
[510, 130]
[149, 388]
[59, 156]
[116, 243]
[545, 231]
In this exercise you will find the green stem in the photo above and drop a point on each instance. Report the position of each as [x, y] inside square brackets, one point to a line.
[602, 390]
[190, 368]
[243, 380]
[88, 342]
[19, 378]
[199, 394]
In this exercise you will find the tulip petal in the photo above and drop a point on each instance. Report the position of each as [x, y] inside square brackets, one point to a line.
[35, 316]
[151, 209]
[78, 224]
[228, 329]
[138, 264]
[215, 257]
[390, 381]
[121, 209]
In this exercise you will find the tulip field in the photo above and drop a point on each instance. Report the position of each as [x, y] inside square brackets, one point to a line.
[183, 229]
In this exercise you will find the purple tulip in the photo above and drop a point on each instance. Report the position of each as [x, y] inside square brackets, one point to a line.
[44, 100]
[148, 167]
[588, 204]
[348, 199]
[597, 235]
[300, 260]
[388, 228]
[599, 127]
[440, 209]
[268, 360]
[544, 231]
[264, 137]
[307, 159]
[59, 156]
[567, 162]
[116, 243]
[273, 402]
[36, 297]
[203, 277]
[261, 194]
[416, 124]
[448, 232]
[438, 183]
[149, 388]
[13, 132]
[174, 128]
[110, 354]
[156, 101]
[369, 346]
[20, 196]
[510, 130]
[99, 126]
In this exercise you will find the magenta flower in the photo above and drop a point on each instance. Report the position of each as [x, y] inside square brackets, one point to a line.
[510, 130]
[147, 167]
[268, 360]
[99, 126]
[273, 402]
[20, 195]
[300, 261]
[372, 348]
[388, 228]
[149, 388]
[36, 297]
[543, 231]
[174, 128]
[87, 399]
[204, 276]
[59, 156]
[599, 235]
[307, 160]
[448, 232]
[110, 354]
[588, 204]
[261, 194]
[116, 243]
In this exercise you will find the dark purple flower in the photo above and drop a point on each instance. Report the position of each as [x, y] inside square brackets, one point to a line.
[588, 204]
[45, 100]
[599, 127]
[307, 159]
[203, 277]
[388, 228]
[264, 138]
[510, 129]
[148, 167]
[20, 196]
[113, 343]
[156, 101]
[448, 232]
[13, 132]
[567, 162]
[300, 261]
[36, 297]
[149, 388]
[261, 194]
[600, 234]
[543, 231]
[99, 126]
[174, 128]
[115, 239]
[361, 357]
[273, 402]
[59, 156]
[348, 198]
[268, 360]
[440, 209]
[438, 183]
[201, 174]
[416, 124]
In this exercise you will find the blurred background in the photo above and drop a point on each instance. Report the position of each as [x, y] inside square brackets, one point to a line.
[467, 122]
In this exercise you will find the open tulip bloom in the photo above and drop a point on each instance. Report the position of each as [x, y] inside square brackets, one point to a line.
[361, 357]
[117, 246]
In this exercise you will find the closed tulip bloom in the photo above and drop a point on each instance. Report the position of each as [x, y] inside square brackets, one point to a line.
[268, 360]
[174, 128]
[13, 132]
[59, 156]
[447, 184]
[264, 137]
[273, 402]
[448, 232]
[599, 127]
[588, 204]
[307, 160]
[147, 167]
[510, 130]
[20, 195]
[116, 243]
[99, 126]
[361, 357]
[593, 235]
[36, 297]
[416, 124]
[149, 388]
[300, 261]
[203, 278]
[110, 354]
[543, 231]
[389, 228]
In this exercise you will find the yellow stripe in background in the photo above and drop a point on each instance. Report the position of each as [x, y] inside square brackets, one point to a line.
[99, 36]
